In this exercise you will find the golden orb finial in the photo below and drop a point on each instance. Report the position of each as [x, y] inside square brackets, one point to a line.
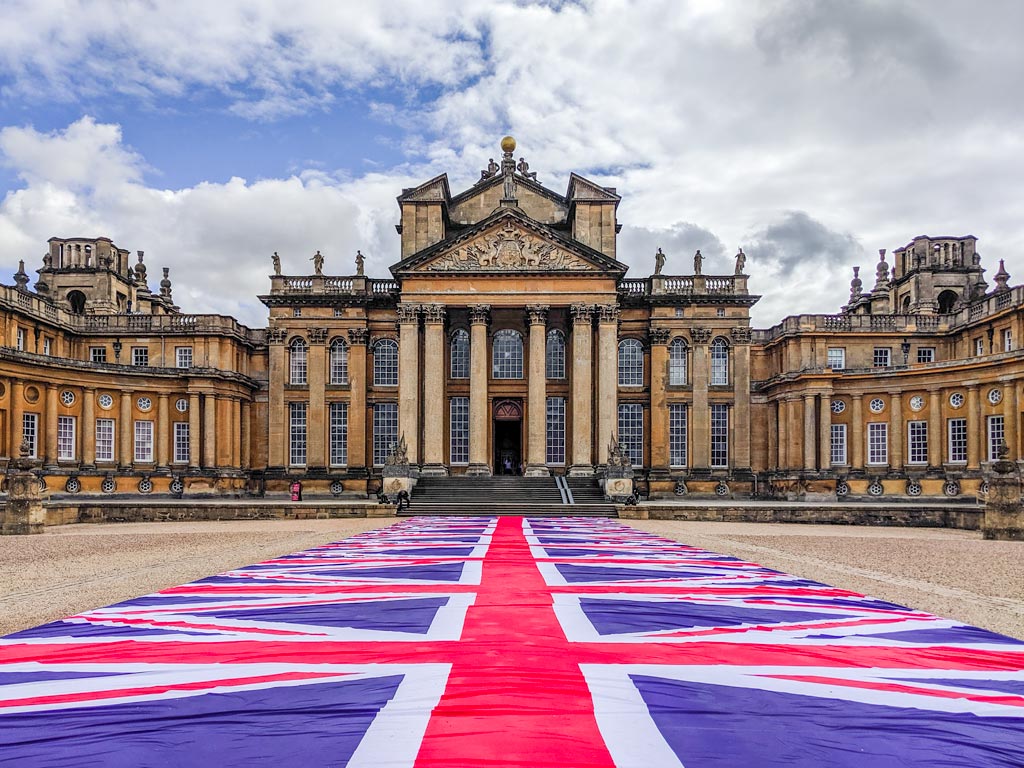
[508, 144]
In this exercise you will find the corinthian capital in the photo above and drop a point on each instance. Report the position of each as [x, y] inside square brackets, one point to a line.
[582, 313]
[408, 313]
[537, 314]
[480, 313]
[659, 335]
[433, 313]
[607, 313]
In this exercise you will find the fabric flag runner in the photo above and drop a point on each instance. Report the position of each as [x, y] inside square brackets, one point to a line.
[509, 642]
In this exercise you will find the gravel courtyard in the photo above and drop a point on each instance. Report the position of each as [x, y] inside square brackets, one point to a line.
[74, 568]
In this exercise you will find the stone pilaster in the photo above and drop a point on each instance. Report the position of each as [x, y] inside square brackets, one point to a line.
[163, 426]
[357, 338]
[316, 377]
[126, 442]
[774, 438]
[409, 378]
[935, 432]
[245, 436]
[897, 432]
[536, 404]
[17, 415]
[700, 421]
[195, 441]
[479, 460]
[209, 431]
[824, 431]
[809, 432]
[1010, 419]
[741, 398]
[974, 428]
[582, 390]
[277, 438]
[856, 444]
[659, 338]
[607, 378]
[88, 436]
[433, 390]
[50, 444]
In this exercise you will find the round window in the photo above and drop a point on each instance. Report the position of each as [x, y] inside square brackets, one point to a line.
[956, 399]
[916, 403]
[995, 396]
[838, 406]
[181, 404]
[877, 405]
[106, 402]
[67, 397]
[144, 403]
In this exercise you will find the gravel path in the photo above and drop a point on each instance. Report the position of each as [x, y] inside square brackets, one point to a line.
[950, 573]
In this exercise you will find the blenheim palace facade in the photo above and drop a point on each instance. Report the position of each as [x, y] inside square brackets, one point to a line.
[510, 339]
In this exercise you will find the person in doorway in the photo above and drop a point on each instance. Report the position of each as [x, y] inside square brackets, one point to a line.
[506, 466]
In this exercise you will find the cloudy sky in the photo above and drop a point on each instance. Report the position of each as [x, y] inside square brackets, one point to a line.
[811, 132]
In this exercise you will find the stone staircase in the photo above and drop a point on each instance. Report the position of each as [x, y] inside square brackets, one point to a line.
[503, 495]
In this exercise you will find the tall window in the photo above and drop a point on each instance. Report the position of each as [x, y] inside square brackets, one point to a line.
[21, 340]
[338, 436]
[339, 362]
[140, 356]
[996, 432]
[508, 355]
[459, 445]
[460, 355]
[48, 346]
[677, 353]
[385, 363]
[837, 358]
[1008, 340]
[66, 438]
[144, 441]
[30, 432]
[554, 355]
[979, 347]
[878, 443]
[631, 431]
[917, 442]
[297, 434]
[385, 431]
[882, 357]
[957, 432]
[556, 430]
[719, 436]
[182, 450]
[631, 363]
[183, 357]
[297, 365]
[837, 453]
[719, 362]
[677, 435]
[104, 439]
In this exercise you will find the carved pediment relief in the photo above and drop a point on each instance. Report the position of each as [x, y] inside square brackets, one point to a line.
[508, 248]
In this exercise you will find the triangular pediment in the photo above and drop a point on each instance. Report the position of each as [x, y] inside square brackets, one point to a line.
[509, 242]
[586, 190]
[433, 191]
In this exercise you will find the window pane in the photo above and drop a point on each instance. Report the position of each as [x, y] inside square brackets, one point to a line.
[719, 436]
[339, 434]
[677, 353]
[298, 362]
[838, 448]
[995, 437]
[836, 358]
[104, 439]
[719, 362]
[385, 363]
[556, 430]
[30, 432]
[181, 443]
[554, 363]
[460, 355]
[297, 434]
[66, 438]
[677, 435]
[881, 358]
[508, 355]
[459, 446]
[957, 430]
[917, 442]
[631, 363]
[183, 357]
[878, 443]
[339, 362]
[385, 431]
[144, 441]
[926, 354]
[631, 432]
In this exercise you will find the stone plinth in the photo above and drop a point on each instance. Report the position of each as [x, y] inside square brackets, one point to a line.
[1004, 513]
[23, 511]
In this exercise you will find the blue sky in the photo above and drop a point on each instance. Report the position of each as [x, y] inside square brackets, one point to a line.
[809, 132]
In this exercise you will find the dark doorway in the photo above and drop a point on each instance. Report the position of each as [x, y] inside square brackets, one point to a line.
[508, 438]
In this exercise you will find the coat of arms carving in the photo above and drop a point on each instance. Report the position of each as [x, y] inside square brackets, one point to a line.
[508, 248]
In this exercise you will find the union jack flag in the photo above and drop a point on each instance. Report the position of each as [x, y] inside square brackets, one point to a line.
[509, 642]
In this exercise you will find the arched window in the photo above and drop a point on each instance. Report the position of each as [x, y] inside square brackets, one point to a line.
[339, 362]
[385, 363]
[677, 352]
[719, 362]
[297, 364]
[77, 301]
[554, 357]
[947, 301]
[631, 363]
[460, 355]
[507, 361]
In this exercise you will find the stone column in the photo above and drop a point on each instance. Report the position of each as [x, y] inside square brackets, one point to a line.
[856, 432]
[237, 430]
[935, 435]
[244, 415]
[194, 436]
[50, 445]
[824, 431]
[357, 338]
[316, 377]
[479, 461]
[163, 426]
[774, 436]
[809, 431]
[897, 433]
[536, 403]
[741, 398]
[17, 416]
[88, 436]
[277, 437]
[582, 390]
[433, 390]
[409, 378]
[209, 431]
[607, 378]
[1010, 419]
[126, 445]
[975, 425]
[659, 402]
[700, 417]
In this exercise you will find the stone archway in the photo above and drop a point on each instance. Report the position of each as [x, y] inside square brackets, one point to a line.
[508, 437]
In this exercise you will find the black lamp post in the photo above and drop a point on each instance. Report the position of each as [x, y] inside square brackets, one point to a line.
[118, 346]
[905, 348]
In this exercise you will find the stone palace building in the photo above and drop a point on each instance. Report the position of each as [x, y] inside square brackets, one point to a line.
[510, 339]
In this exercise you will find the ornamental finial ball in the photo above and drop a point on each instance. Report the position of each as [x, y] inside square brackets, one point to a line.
[508, 144]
